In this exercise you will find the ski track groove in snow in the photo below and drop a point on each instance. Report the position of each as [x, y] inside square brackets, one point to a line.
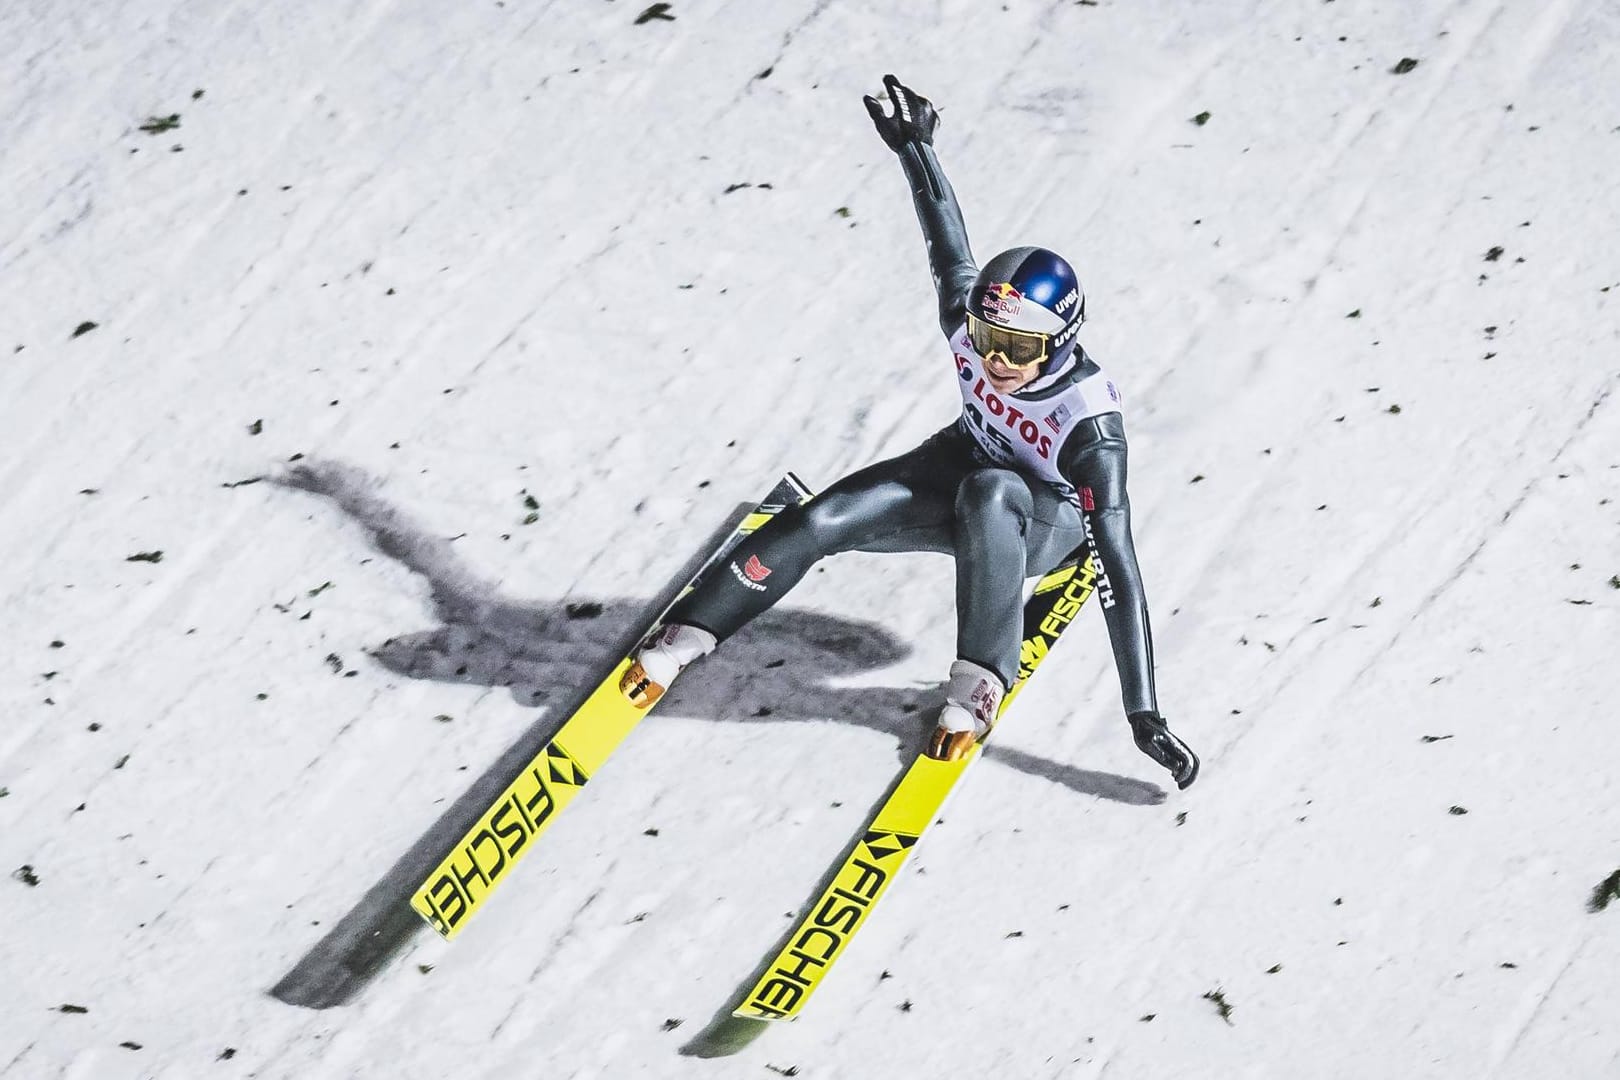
[1530, 487]
[1507, 1040]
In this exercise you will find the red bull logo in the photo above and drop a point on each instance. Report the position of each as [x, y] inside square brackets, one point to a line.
[1002, 301]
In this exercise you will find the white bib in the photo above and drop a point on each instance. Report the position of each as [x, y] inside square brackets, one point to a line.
[1021, 433]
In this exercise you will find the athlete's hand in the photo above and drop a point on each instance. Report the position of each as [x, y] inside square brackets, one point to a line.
[1155, 739]
[914, 117]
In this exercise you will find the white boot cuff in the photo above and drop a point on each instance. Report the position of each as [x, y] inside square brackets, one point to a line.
[675, 646]
[977, 690]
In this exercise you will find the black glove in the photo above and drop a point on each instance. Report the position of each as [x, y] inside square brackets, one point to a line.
[914, 117]
[1155, 739]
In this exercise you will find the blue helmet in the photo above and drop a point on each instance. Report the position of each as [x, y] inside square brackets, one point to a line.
[1027, 305]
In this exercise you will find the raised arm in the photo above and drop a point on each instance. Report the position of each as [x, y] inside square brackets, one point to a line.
[910, 134]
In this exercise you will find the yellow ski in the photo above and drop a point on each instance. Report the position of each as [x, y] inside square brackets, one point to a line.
[507, 829]
[823, 934]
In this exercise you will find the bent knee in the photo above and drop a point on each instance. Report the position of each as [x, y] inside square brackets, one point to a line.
[830, 523]
[994, 491]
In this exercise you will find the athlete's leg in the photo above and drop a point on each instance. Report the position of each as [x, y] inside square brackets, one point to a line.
[903, 504]
[1008, 527]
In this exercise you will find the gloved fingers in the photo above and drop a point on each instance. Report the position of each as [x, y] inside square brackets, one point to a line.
[905, 102]
[875, 109]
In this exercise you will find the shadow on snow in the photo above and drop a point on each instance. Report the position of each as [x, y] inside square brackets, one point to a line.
[779, 668]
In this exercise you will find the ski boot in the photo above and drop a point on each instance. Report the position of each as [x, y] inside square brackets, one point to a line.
[972, 700]
[1155, 739]
[661, 658]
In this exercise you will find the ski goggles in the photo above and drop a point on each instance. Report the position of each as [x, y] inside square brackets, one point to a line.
[1017, 348]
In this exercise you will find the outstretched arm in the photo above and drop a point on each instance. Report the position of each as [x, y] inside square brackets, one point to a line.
[1094, 460]
[910, 134]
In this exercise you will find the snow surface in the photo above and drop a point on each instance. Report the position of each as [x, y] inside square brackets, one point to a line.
[461, 255]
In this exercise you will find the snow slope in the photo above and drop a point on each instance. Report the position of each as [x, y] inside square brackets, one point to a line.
[464, 256]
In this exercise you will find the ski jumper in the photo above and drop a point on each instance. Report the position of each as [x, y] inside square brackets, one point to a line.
[1020, 482]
